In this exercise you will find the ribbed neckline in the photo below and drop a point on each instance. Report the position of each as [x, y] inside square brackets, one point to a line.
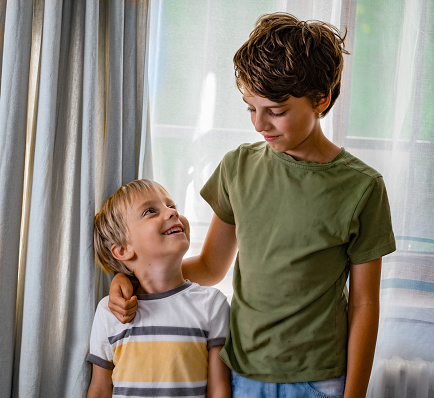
[158, 296]
[308, 164]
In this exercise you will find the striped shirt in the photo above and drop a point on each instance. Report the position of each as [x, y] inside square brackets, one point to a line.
[163, 352]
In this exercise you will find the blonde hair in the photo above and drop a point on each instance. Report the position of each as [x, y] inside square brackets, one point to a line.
[110, 227]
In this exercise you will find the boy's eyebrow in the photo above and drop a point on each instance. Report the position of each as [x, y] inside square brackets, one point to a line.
[140, 206]
[151, 202]
[272, 106]
[145, 203]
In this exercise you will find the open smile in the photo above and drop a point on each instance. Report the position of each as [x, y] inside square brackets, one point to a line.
[176, 229]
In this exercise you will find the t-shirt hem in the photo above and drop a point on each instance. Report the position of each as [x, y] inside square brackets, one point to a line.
[216, 342]
[374, 254]
[303, 377]
[99, 362]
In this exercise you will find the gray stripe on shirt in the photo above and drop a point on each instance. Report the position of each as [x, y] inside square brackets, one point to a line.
[159, 392]
[158, 331]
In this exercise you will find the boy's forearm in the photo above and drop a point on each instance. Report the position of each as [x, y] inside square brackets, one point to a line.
[219, 376]
[101, 383]
[215, 259]
[363, 326]
[196, 270]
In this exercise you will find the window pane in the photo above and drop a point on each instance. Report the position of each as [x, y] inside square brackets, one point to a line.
[375, 56]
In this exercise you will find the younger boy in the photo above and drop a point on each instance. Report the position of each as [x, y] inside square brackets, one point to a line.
[171, 347]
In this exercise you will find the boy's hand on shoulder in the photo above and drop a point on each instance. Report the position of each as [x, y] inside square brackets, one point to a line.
[122, 303]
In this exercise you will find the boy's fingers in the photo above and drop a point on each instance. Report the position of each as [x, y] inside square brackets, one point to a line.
[122, 303]
[126, 312]
[120, 291]
[132, 305]
[123, 318]
[122, 285]
[126, 319]
[126, 289]
[122, 306]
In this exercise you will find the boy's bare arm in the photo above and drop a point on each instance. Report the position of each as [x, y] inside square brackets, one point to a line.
[219, 376]
[217, 254]
[207, 269]
[101, 384]
[363, 315]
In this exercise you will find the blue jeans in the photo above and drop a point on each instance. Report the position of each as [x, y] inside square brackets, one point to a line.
[248, 388]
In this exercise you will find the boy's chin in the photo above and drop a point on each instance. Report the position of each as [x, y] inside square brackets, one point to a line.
[185, 249]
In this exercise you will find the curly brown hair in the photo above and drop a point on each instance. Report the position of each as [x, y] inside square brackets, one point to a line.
[286, 57]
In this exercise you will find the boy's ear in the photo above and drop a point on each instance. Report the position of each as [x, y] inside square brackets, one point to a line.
[122, 253]
[323, 103]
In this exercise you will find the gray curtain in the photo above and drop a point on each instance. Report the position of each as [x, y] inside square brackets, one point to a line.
[73, 123]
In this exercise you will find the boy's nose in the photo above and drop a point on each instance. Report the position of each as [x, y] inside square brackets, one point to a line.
[170, 213]
[260, 123]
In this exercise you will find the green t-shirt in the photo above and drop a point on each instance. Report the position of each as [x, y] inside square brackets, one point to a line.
[298, 226]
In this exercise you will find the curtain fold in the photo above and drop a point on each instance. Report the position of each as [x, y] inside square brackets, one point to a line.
[16, 46]
[68, 111]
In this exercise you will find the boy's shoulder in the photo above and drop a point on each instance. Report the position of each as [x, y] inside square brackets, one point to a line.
[104, 302]
[103, 306]
[355, 164]
[248, 148]
[103, 315]
[207, 299]
[209, 291]
[261, 148]
[244, 154]
[191, 288]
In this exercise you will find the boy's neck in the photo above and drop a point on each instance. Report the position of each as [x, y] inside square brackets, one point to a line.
[158, 279]
[318, 148]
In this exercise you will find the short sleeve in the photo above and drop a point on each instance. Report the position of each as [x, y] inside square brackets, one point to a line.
[371, 233]
[219, 321]
[216, 192]
[100, 352]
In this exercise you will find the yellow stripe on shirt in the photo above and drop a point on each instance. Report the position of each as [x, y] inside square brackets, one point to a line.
[160, 361]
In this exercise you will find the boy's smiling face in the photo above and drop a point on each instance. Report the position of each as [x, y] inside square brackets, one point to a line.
[156, 230]
[291, 126]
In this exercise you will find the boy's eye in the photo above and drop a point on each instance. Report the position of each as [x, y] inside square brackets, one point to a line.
[148, 211]
[277, 114]
[271, 113]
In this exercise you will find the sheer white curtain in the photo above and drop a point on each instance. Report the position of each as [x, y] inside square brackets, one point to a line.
[384, 115]
[197, 111]
[73, 128]
[393, 129]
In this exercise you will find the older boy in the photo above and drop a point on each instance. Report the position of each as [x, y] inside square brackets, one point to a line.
[304, 214]
[171, 348]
